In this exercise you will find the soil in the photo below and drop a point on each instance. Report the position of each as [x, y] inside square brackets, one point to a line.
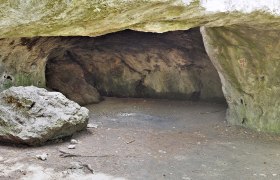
[151, 139]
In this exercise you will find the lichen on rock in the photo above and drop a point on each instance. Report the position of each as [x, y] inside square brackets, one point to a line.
[247, 60]
[240, 36]
[31, 115]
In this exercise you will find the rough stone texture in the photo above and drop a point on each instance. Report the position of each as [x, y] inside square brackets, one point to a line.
[124, 64]
[259, 20]
[32, 115]
[69, 79]
[23, 63]
[133, 64]
[22, 18]
[248, 63]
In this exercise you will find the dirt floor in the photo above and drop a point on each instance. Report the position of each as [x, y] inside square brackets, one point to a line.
[151, 139]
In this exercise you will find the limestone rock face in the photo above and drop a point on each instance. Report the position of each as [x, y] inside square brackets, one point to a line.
[22, 18]
[70, 80]
[248, 63]
[32, 115]
[172, 65]
[241, 37]
[125, 64]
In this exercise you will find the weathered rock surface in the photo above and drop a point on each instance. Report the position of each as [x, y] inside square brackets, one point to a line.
[69, 79]
[172, 65]
[32, 115]
[247, 79]
[247, 60]
[21, 18]
[125, 64]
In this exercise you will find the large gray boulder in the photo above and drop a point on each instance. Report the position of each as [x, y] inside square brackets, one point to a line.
[31, 115]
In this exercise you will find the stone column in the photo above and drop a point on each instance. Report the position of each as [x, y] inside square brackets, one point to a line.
[248, 63]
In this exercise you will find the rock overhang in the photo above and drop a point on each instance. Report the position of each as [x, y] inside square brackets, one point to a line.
[92, 18]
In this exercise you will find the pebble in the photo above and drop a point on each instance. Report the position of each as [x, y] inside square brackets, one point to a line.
[42, 157]
[92, 126]
[263, 175]
[71, 146]
[73, 141]
[1, 158]
[186, 178]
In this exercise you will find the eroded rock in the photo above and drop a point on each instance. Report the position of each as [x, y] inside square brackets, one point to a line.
[69, 79]
[247, 60]
[253, 101]
[32, 115]
[171, 65]
[92, 18]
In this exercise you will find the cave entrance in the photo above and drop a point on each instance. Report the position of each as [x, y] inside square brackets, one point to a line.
[172, 65]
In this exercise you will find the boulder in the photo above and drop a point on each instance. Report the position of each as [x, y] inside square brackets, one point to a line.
[31, 115]
[69, 79]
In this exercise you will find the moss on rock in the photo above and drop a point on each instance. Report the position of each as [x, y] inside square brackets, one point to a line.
[247, 60]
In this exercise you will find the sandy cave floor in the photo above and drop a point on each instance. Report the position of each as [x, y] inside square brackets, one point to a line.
[151, 139]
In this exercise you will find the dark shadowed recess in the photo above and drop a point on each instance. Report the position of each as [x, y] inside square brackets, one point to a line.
[172, 65]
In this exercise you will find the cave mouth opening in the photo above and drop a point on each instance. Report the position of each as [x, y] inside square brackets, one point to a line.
[171, 65]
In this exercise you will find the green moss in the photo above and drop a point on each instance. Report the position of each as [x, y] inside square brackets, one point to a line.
[21, 79]
[93, 18]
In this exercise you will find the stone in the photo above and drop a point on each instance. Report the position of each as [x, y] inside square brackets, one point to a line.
[171, 65]
[247, 60]
[32, 116]
[71, 146]
[74, 141]
[94, 18]
[90, 125]
[70, 80]
[42, 157]
[247, 63]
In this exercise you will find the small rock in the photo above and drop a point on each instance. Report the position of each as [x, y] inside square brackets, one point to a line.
[274, 175]
[72, 146]
[42, 157]
[1, 158]
[263, 175]
[186, 178]
[92, 126]
[76, 165]
[74, 141]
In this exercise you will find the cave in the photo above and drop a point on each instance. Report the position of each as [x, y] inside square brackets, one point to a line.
[171, 65]
[118, 89]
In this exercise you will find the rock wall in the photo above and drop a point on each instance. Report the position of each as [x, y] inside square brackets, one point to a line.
[22, 18]
[133, 64]
[247, 60]
[172, 65]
